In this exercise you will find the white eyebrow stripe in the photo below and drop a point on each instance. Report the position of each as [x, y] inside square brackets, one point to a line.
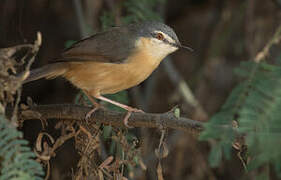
[168, 38]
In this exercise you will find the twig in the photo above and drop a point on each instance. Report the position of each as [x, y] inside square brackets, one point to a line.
[183, 86]
[275, 40]
[17, 101]
[34, 51]
[78, 113]
[10, 51]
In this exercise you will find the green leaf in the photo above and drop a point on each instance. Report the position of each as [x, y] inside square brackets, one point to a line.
[255, 104]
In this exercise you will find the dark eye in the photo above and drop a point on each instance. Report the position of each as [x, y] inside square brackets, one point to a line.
[159, 36]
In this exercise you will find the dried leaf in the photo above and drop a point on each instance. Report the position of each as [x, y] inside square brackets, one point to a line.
[159, 171]
[100, 175]
[106, 162]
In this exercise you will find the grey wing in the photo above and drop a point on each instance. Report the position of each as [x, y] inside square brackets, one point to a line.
[111, 46]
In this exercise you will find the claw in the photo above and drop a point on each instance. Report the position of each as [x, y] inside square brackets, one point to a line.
[129, 113]
[126, 120]
[135, 110]
[128, 108]
[89, 114]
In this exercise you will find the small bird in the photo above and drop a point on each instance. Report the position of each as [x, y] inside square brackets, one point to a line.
[113, 60]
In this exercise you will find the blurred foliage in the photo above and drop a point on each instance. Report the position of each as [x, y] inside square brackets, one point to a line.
[69, 43]
[16, 158]
[142, 10]
[107, 20]
[251, 113]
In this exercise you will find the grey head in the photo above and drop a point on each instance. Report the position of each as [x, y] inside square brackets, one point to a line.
[159, 31]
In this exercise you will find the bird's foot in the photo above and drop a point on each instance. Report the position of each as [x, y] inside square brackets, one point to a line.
[89, 114]
[129, 113]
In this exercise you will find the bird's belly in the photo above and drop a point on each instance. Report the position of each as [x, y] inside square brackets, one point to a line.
[107, 78]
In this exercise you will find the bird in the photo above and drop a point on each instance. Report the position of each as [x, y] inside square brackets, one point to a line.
[113, 60]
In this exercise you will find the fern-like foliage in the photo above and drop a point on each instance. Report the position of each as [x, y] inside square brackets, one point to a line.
[252, 111]
[16, 158]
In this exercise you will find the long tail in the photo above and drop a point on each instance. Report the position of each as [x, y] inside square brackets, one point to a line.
[48, 71]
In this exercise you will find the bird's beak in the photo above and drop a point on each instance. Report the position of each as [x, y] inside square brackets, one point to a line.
[178, 45]
[185, 47]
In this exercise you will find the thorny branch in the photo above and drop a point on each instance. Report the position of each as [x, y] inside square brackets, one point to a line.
[78, 113]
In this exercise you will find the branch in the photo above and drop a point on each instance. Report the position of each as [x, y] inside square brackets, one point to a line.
[113, 118]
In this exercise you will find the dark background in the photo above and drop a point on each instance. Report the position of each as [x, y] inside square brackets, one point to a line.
[222, 32]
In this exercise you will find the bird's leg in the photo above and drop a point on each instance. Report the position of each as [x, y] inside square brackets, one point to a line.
[123, 106]
[128, 108]
[96, 105]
